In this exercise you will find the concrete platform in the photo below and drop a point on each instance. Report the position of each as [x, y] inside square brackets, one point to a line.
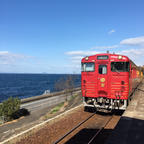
[130, 128]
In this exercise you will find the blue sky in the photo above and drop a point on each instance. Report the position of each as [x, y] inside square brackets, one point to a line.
[53, 35]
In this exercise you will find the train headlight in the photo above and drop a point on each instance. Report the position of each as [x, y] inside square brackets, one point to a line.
[86, 58]
[119, 57]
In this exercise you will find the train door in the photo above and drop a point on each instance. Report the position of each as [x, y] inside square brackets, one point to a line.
[102, 80]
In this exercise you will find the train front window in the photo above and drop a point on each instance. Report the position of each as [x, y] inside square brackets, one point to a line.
[102, 69]
[88, 67]
[120, 66]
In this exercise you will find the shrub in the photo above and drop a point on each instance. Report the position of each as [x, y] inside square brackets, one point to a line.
[9, 107]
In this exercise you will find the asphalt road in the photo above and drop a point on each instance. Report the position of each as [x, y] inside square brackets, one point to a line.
[47, 102]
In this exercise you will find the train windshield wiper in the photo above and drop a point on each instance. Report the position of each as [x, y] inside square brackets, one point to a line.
[117, 71]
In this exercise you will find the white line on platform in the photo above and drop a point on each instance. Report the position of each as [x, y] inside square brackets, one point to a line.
[38, 125]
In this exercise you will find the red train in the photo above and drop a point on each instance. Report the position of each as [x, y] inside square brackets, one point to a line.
[107, 81]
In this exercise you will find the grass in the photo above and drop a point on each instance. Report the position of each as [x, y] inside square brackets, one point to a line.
[60, 107]
[57, 108]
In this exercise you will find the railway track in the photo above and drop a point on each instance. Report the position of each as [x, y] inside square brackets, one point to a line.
[77, 126]
[72, 137]
[94, 138]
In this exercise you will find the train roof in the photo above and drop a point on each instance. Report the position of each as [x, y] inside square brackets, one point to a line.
[106, 56]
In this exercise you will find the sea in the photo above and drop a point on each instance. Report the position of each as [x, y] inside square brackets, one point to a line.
[28, 85]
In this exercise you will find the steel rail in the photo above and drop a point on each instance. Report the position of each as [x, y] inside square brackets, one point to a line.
[140, 90]
[73, 129]
[98, 132]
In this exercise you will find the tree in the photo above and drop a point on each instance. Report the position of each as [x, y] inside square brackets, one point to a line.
[9, 107]
[59, 85]
[69, 84]
[66, 84]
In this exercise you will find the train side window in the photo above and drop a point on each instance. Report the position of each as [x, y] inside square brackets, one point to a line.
[102, 69]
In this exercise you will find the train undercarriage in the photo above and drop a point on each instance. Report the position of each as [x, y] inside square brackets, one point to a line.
[105, 103]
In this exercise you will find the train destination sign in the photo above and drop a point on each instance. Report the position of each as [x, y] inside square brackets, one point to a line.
[102, 57]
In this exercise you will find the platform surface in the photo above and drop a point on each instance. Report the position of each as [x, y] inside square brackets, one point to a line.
[130, 128]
